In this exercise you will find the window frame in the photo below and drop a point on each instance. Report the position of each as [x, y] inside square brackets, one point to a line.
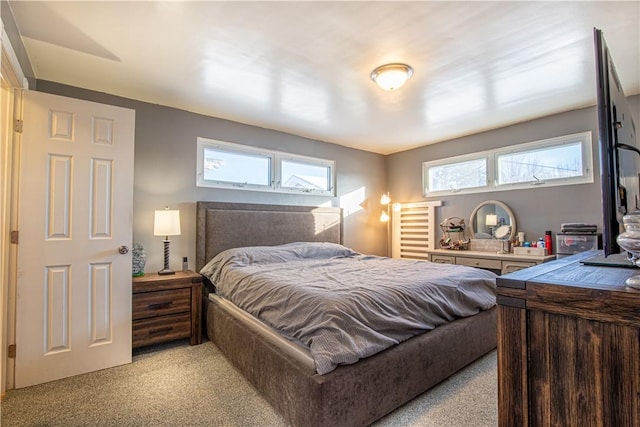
[275, 168]
[584, 138]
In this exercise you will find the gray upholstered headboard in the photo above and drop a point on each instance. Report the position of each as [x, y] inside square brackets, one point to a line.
[222, 226]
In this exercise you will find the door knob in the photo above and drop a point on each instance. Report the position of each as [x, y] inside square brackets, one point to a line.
[123, 249]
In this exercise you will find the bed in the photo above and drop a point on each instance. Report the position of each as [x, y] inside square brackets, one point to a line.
[283, 369]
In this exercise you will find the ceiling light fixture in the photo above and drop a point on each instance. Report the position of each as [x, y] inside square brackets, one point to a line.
[391, 76]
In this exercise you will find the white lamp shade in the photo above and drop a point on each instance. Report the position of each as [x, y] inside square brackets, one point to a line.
[491, 220]
[385, 200]
[166, 223]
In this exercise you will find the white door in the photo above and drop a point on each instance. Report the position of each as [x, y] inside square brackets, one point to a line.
[73, 312]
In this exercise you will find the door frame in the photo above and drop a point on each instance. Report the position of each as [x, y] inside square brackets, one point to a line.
[12, 78]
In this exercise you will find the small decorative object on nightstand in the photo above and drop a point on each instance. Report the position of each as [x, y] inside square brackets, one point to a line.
[167, 308]
[138, 259]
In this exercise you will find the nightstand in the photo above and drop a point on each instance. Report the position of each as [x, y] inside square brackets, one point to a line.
[167, 308]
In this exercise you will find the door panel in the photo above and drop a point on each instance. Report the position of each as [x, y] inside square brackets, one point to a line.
[75, 211]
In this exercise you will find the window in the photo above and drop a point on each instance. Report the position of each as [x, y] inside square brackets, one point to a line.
[543, 162]
[226, 165]
[305, 174]
[557, 161]
[241, 168]
[458, 175]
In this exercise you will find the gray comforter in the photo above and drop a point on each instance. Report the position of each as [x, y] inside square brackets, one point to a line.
[344, 305]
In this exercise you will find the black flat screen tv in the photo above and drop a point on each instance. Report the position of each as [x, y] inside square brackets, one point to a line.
[618, 147]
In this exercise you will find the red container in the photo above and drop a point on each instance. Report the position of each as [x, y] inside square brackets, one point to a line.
[547, 242]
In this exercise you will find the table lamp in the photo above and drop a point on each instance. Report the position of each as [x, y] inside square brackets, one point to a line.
[166, 223]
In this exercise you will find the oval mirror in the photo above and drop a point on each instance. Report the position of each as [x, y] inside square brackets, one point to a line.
[491, 218]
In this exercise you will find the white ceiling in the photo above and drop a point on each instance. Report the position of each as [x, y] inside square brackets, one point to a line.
[303, 67]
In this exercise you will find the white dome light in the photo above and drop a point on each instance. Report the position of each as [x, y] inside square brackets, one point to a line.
[391, 76]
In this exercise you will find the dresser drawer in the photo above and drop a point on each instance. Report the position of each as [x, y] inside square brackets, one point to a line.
[493, 264]
[160, 329]
[159, 303]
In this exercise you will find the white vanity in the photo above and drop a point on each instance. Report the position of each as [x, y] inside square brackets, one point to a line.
[492, 225]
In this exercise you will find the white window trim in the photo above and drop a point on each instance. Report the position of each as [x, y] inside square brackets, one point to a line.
[492, 170]
[275, 171]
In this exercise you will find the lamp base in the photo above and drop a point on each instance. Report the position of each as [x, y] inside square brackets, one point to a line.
[165, 269]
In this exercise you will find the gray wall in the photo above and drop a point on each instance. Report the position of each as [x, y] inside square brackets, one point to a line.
[536, 209]
[165, 157]
[165, 164]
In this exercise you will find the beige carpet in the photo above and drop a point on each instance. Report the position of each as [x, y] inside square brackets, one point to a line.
[181, 385]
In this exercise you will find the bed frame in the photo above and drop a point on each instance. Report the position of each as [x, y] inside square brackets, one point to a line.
[351, 395]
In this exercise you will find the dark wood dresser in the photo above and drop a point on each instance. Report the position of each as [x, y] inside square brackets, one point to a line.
[568, 346]
[167, 308]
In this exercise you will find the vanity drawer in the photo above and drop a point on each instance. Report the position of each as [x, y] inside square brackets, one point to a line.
[491, 264]
[160, 303]
[511, 266]
[443, 259]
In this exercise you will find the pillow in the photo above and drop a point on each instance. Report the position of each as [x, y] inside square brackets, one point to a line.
[273, 254]
[318, 250]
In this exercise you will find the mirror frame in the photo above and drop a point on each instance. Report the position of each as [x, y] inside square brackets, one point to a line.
[507, 209]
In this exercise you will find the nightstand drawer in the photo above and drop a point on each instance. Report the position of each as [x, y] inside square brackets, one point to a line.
[159, 303]
[494, 264]
[161, 329]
